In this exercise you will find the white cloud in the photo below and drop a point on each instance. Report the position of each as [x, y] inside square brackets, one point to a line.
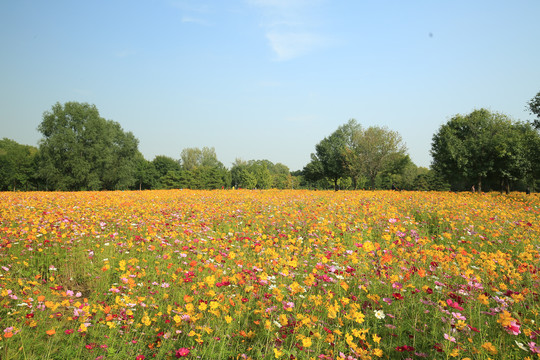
[193, 11]
[289, 45]
[290, 27]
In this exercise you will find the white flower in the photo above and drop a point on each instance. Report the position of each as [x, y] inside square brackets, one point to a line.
[379, 314]
[521, 346]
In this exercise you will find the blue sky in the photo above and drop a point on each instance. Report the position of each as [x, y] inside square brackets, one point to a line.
[266, 79]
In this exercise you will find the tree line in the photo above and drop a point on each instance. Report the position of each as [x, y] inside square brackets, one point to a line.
[80, 150]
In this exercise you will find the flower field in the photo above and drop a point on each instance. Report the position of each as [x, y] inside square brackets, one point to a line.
[269, 275]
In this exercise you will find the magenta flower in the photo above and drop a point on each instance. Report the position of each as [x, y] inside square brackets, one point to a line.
[182, 352]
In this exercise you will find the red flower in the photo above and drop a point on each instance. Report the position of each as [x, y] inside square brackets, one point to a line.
[397, 296]
[140, 357]
[404, 348]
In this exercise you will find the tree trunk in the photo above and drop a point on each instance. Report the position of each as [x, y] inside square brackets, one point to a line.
[479, 184]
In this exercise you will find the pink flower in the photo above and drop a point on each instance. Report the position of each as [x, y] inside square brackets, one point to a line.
[182, 352]
[534, 348]
[513, 328]
[288, 305]
[140, 357]
[450, 338]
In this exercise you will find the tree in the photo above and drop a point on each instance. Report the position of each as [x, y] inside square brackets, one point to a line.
[400, 172]
[534, 108]
[192, 158]
[163, 164]
[248, 179]
[313, 172]
[483, 148]
[330, 154]
[146, 174]
[375, 150]
[280, 176]
[203, 169]
[430, 180]
[360, 154]
[260, 174]
[17, 165]
[80, 150]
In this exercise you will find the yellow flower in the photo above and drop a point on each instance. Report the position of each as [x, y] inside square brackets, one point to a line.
[306, 342]
[505, 318]
[146, 320]
[483, 299]
[489, 348]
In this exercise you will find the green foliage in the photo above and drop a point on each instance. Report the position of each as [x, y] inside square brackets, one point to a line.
[17, 165]
[260, 174]
[163, 164]
[330, 154]
[358, 154]
[429, 180]
[82, 151]
[534, 108]
[202, 170]
[248, 179]
[484, 147]
[146, 174]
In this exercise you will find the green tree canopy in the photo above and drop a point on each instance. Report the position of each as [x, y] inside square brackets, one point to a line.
[80, 150]
[484, 146]
[260, 174]
[163, 165]
[17, 165]
[534, 108]
[360, 154]
[201, 169]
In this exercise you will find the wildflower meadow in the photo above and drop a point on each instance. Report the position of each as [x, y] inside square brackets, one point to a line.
[273, 274]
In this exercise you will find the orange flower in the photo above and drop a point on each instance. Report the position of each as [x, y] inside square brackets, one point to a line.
[51, 332]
